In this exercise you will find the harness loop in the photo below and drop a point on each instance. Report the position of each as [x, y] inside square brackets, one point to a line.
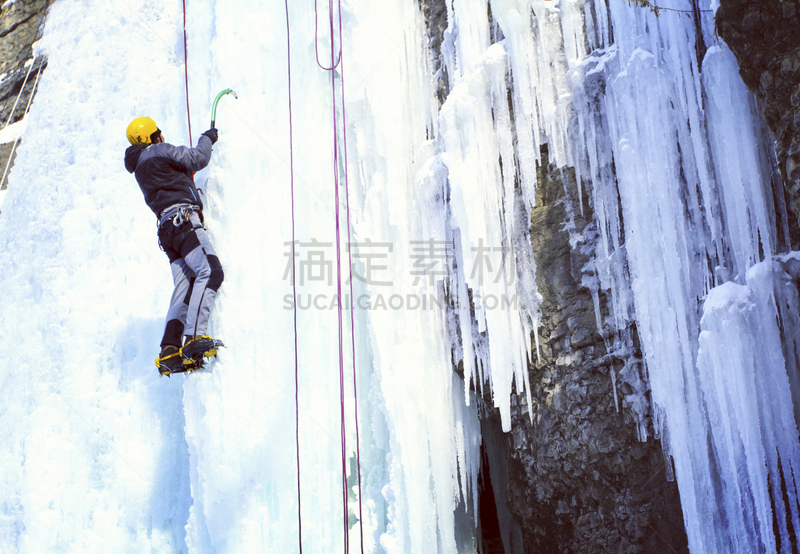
[183, 214]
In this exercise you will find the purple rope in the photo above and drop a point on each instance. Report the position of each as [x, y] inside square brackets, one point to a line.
[343, 426]
[334, 64]
[186, 74]
[350, 260]
[294, 286]
[316, 37]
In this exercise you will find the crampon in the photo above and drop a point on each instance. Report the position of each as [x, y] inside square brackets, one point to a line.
[197, 349]
[170, 361]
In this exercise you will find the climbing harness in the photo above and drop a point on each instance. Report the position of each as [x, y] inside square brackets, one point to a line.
[183, 214]
[334, 65]
[178, 214]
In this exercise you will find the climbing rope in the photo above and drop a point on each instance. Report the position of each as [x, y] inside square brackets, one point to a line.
[316, 37]
[186, 73]
[14, 108]
[294, 284]
[21, 89]
[27, 107]
[343, 424]
[334, 64]
[350, 269]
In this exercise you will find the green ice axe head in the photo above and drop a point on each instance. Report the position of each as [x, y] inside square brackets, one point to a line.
[216, 101]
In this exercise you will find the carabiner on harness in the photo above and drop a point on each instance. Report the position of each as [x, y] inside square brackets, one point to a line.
[182, 216]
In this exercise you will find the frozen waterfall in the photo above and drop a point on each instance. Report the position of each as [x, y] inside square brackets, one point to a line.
[100, 455]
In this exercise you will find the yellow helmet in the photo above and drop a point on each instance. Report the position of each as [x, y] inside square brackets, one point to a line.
[141, 130]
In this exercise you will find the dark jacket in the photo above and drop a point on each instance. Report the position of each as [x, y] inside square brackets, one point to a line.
[164, 172]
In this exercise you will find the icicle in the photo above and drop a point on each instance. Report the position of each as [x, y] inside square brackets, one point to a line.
[613, 375]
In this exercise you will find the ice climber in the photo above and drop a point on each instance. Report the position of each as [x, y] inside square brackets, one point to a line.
[164, 173]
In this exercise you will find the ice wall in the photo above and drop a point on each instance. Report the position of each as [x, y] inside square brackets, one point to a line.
[668, 148]
[753, 433]
[93, 451]
[125, 461]
[681, 183]
[440, 198]
[419, 441]
[695, 190]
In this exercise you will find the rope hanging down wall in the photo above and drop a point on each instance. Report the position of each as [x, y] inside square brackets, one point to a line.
[186, 73]
[27, 107]
[294, 284]
[334, 65]
[336, 123]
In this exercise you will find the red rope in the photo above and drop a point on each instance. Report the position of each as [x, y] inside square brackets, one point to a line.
[334, 65]
[294, 286]
[186, 71]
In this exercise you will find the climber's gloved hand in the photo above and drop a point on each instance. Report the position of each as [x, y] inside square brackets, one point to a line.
[212, 134]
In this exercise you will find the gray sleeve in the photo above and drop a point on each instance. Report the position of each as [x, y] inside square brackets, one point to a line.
[194, 159]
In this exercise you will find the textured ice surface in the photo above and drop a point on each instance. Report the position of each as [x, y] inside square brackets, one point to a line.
[124, 461]
[99, 454]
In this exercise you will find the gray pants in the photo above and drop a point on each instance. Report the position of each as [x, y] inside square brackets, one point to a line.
[197, 274]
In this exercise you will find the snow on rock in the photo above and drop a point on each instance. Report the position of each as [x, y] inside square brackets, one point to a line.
[12, 132]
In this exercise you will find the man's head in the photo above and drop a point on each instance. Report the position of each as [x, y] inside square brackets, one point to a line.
[144, 130]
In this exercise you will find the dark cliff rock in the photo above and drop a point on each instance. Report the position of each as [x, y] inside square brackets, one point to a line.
[574, 477]
[578, 477]
[435, 12]
[21, 25]
[764, 35]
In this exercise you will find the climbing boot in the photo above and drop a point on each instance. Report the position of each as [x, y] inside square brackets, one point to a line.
[170, 360]
[197, 347]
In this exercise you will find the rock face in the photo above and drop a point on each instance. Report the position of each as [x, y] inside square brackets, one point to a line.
[579, 479]
[764, 35]
[435, 12]
[21, 25]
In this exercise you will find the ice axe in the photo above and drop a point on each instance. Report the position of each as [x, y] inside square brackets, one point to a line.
[216, 101]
